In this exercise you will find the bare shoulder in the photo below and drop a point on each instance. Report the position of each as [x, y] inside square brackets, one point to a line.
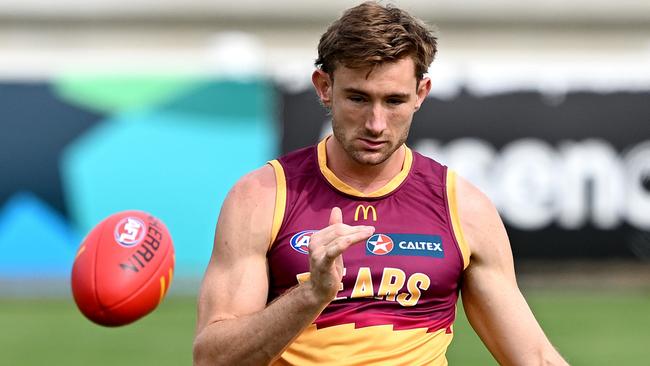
[239, 254]
[257, 185]
[482, 227]
[259, 182]
[247, 212]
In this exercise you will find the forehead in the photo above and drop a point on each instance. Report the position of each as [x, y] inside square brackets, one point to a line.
[387, 77]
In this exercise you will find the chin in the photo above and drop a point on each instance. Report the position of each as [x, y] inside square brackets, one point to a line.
[367, 158]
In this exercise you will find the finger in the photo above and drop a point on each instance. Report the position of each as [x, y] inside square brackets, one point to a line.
[331, 233]
[338, 262]
[336, 216]
[342, 243]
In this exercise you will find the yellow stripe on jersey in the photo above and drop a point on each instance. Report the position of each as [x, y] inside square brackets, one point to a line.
[345, 345]
[280, 199]
[455, 218]
[343, 187]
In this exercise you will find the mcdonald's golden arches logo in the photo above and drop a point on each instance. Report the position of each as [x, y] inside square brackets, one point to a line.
[366, 210]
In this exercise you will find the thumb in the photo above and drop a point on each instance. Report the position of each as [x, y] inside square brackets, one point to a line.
[336, 216]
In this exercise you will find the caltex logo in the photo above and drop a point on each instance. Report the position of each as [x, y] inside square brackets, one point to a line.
[379, 244]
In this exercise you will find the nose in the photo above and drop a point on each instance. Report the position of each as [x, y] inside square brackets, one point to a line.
[376, 122]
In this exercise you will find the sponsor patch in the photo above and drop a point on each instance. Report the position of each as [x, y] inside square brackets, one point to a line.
[300, 241]
[405, 245]
[379, 244]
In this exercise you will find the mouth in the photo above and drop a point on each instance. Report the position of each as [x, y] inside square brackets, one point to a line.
[372, 144]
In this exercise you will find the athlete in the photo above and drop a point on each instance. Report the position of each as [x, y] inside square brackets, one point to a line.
[354, 251]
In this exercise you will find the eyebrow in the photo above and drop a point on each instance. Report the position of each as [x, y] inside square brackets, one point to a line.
[361, 92]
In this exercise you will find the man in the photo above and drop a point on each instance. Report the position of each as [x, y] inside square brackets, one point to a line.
[353, 252]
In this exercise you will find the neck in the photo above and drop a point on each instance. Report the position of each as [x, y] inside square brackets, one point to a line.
[362, 177]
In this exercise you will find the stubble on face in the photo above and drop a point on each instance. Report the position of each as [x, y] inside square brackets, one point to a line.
[360, 155]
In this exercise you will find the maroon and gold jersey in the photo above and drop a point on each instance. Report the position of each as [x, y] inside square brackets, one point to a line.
[397, 301]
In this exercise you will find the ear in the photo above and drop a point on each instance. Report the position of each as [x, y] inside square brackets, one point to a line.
[424, 87]
[323, 85]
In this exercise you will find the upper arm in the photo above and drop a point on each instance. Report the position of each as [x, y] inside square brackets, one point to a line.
[236, 279]
[493, 303]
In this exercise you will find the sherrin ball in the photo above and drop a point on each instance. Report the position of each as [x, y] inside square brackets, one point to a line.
[123, 268]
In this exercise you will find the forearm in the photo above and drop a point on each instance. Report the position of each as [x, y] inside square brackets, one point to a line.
[259, 338]
[506, 325]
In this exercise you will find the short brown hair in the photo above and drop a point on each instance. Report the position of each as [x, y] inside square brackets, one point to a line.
[370, 34]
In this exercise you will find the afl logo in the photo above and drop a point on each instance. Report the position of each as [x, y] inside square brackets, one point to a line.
[379, 244]
[129, 231]
[300, 241]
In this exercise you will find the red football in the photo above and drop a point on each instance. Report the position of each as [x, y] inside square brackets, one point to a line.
[123, 268]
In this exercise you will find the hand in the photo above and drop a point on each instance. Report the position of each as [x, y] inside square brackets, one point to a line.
[325, 254]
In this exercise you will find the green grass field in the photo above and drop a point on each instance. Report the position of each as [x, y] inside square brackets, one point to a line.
[588, 327]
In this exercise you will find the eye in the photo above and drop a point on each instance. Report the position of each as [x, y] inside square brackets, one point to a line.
[356, 98]
[395, 101]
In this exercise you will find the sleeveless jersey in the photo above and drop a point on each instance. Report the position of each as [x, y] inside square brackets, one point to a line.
[397, 300]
